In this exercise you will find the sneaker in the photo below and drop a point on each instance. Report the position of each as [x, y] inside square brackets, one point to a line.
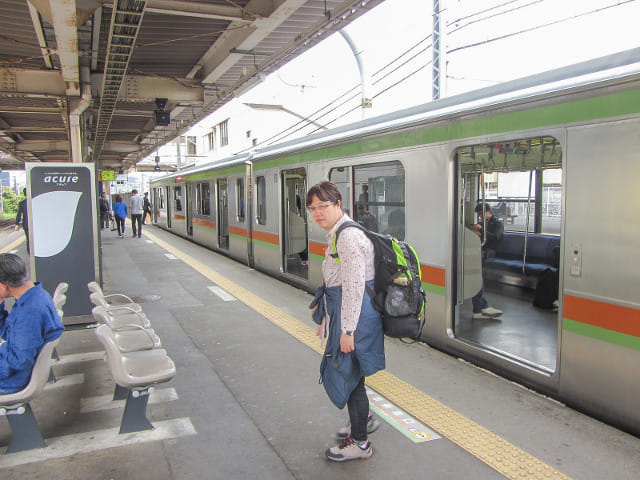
[349, 450]
[372, 425]
[481, 316]
[491, 312]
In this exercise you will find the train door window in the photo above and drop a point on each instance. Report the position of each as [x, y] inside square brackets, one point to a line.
[261, 200]
[177, 198]
[380, 205]
[295, 240]
[188, 204]
[240, 199]
[169, 212]
[513, 192]
[341, 177]
[223, 214]
[203, 199]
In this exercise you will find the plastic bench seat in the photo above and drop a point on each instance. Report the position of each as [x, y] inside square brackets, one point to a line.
[98, 298]
[137, 372]
[120, 318]
[25, 430]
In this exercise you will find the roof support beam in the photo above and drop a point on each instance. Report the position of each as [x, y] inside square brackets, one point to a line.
[200, 10]
[37, 26]
[24, 81]
[63, 145]
[142, 88]
[218, 59]
[63, 16]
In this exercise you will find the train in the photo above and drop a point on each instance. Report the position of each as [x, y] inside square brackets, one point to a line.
[555, 155]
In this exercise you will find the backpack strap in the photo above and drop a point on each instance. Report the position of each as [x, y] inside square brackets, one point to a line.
[334, 253]
[350, 223]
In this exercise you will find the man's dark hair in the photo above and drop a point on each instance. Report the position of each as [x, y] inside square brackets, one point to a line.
[482, 207]
[13, 270]
[134, 191]
[326, 191]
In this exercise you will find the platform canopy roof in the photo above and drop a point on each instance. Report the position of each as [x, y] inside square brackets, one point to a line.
[82, 80]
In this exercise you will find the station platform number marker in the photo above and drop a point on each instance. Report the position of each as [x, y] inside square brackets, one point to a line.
[408, 426]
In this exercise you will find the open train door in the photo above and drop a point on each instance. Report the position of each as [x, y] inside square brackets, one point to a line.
[295, 238]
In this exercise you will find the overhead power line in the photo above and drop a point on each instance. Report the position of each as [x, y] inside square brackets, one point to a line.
[537, 27]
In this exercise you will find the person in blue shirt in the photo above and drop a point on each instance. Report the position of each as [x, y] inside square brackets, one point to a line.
[120, 214]
[32, 322]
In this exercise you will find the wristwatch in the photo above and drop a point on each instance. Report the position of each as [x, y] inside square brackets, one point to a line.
[349, 333]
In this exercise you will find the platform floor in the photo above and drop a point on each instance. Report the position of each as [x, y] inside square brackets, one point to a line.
[246, 403]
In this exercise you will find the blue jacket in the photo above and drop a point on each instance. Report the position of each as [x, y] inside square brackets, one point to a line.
[33, 321]
[341, 372]
[120, 209]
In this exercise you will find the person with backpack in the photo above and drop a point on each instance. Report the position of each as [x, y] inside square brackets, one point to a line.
[345, 315]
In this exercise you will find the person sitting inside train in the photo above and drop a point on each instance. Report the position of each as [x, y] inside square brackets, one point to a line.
[366, 219]
[491, 240]
[395, 224]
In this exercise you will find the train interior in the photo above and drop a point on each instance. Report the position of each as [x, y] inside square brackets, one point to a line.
[521, 182]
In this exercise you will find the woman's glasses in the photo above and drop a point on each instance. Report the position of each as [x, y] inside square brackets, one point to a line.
[319, 208]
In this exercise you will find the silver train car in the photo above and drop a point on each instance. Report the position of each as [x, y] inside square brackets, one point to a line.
[555, 155]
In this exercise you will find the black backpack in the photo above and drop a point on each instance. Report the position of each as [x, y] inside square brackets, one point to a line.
[547, 289]
[398, 294]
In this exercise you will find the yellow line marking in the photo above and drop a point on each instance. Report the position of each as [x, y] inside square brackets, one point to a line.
[497, 453]
[12, 245]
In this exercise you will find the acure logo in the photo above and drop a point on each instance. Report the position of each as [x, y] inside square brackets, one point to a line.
[61, 179]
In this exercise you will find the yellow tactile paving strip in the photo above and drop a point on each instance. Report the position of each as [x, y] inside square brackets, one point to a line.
[502, 456]
[12, 245]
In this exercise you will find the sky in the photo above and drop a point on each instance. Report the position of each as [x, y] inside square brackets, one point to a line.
[512, 38]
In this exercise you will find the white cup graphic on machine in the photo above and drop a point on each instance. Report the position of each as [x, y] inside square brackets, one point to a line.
[53, 217]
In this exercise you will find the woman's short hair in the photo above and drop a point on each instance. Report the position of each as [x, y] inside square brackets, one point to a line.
[118, 198]
[13, 270]
[326, 191]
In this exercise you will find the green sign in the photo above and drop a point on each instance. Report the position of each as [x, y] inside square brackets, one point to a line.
[108, 175]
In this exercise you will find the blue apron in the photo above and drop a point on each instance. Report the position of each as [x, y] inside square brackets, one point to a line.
[341, 372]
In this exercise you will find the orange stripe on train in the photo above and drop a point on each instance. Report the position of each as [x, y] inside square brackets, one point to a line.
[604, 315]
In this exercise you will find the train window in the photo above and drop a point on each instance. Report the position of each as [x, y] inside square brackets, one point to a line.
[341, 176]
[240, 199]
[177, 199]
[261, 200]
[381, 197]
[504, 257]
[203, 199]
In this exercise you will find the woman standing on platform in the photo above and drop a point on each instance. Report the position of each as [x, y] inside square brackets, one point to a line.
[120, 214]
[344, 313]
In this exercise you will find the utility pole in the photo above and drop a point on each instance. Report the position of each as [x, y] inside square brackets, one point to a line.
[437, 59]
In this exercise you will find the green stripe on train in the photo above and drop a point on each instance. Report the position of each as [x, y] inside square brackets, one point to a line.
[612, 105]
[597, 333]
[435, 289]
[266, 244]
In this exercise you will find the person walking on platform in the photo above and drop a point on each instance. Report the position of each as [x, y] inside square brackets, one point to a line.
[104, 211]
[120, 214]
[23, 216]
[135, 202]
[32, 322]
[343, 310]
[146, 208]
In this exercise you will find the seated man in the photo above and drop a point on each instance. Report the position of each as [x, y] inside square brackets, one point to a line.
[33, 321]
